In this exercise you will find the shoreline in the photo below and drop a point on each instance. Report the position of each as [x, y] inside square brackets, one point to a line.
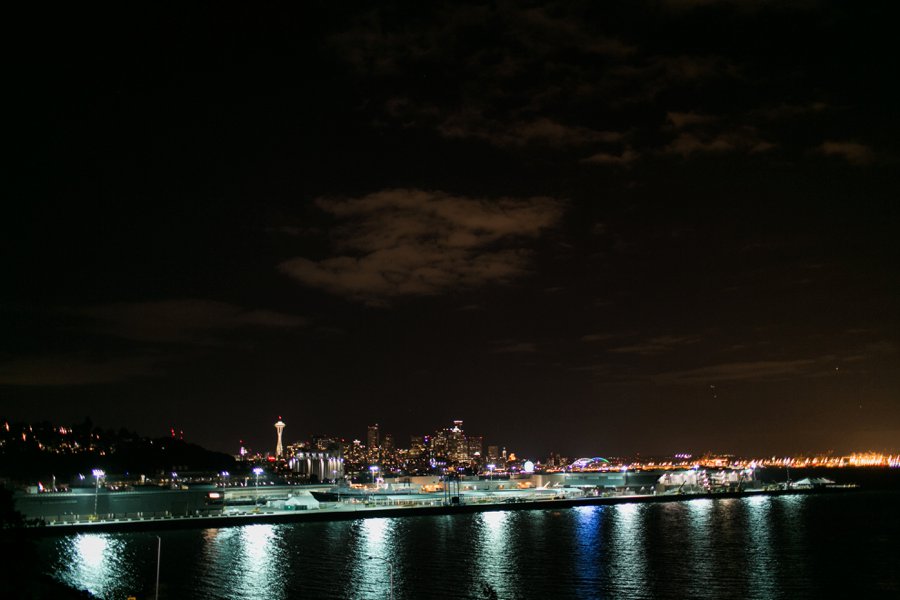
[341, 514]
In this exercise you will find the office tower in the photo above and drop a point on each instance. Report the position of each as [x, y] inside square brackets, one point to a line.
[458, 450]
[372, 437]
[475, 445]
[416, 446]
[493, 453]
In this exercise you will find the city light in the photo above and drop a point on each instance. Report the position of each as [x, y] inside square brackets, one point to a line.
[98, 474]
[574, 264]
[257, 471]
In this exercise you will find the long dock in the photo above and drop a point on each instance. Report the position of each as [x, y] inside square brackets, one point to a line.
[347, 511]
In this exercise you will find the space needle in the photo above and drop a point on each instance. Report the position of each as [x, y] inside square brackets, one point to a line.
[279, 427]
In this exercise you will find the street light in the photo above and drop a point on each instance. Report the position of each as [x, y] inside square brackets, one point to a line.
[391, 571]
[98, 473]
[158, 557]
[258, 471]
[491, 468]
[372, 470]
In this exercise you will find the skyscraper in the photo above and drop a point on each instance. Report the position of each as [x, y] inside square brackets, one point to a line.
[388, 456]
[372, 443]
[458, 450]
[416, 446]
[372, 437]
[439, 444]
[475, 444]
[279, 427]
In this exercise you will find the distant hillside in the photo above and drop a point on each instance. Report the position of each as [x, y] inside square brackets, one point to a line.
[31, 453]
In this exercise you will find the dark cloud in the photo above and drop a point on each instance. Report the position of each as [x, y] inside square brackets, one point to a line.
[188, 321]
[853, 152]
[515, 94]
[687, 144]
[644, 79]
[697, 133]
[624, 158]
[415, 243]
[554, 75]
[680, 120]
[790, 111]
[540, 130]
[656, 345]
[478, 119]
[516, 348]
[598, 337]
[761, 370]
[471, 307]
[74, 370]
[743, 6]
[561, 64]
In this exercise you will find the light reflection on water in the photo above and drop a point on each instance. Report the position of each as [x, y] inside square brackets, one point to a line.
[793, 569]
[699, 544]
[96, 562]
[761, 565]
[589, 546]
[627, 561]
[374, 540]
[493, 553]
[247, 561]
[758, 547]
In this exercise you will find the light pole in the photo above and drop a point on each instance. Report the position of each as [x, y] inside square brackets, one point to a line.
[391, 571]
[257, 471]
[373, 469]
[158, 556]
[98, 473]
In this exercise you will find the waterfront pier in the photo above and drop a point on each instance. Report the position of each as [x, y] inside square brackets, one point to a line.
[208, 506]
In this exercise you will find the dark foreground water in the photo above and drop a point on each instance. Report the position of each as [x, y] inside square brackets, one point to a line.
[842, 545]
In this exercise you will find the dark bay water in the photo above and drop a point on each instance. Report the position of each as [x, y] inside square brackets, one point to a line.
[840, 545]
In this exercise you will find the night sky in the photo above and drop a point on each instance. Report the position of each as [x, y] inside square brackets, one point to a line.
[593, 228]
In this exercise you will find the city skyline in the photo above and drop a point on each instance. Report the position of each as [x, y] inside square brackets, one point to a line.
[581, 227]
[445, 449]
[468, 450]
